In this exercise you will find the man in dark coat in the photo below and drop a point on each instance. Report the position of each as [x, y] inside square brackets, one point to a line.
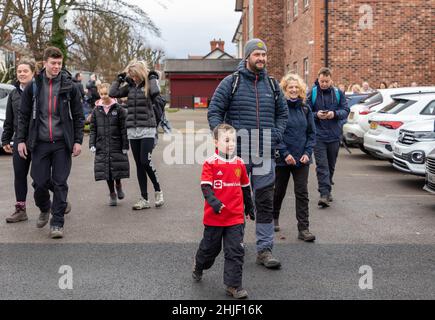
[253, 103]
[50, 126]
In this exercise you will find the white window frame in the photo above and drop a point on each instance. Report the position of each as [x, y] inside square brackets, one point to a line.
[306, 70]
[289, 12]
[295, 8]
[251, 19]
[306, 3]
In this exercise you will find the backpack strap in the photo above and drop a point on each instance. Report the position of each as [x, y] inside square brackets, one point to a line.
[275, 87]
[235, 83]
[35, 93]
[314, 94]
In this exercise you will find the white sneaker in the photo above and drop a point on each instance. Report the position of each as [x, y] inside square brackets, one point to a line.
[159, 198]
[142, 204]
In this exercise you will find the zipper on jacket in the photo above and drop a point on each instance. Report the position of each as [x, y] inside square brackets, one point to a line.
[258, 115]
[49, 110]
[135, 107]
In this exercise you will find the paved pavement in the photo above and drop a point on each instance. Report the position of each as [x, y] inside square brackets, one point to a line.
[380, 218]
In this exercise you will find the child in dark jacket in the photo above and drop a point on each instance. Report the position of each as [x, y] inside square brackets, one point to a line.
[108, 140]
[226, 189]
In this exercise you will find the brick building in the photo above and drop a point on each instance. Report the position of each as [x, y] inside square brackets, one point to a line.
[366, 40]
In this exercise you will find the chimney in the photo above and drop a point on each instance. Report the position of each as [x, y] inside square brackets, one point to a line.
[217, 44]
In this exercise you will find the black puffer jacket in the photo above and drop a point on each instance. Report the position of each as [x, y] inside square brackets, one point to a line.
[10, 126]
[140, 109]
[109, 137]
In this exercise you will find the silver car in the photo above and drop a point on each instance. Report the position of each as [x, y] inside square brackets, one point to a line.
[5, 89]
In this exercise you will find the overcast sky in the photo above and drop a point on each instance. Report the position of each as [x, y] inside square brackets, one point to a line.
[187, 26]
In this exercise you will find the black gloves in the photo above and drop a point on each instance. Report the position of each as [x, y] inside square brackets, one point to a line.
[122, 76]
[153, 75]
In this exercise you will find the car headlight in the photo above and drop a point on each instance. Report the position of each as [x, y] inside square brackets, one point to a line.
[425, 136]
[418, 157]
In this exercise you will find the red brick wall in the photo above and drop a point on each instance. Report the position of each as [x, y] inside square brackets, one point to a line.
[400, 46]
[270, 22]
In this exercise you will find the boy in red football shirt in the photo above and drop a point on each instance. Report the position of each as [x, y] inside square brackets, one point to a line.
[226, 189]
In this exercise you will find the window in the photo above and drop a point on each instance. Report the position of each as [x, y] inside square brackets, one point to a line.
[289, 15]
[306, 3]
[397, 106]
[430, 109]
[251, 19]
[372, 100]
[295, 67]
[295, 8]
[306, 70]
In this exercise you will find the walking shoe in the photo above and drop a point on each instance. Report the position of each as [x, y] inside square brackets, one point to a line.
[197, 275]
[56, 232]
[276, 227]
[120, 192]
[43, 219]
[323, 202]
[68, 207]
[306, 235]
[237, 293]
[266, 258]
[159, 199]
[330, 198]
[19, 215]
[142, 204]
[112, 200]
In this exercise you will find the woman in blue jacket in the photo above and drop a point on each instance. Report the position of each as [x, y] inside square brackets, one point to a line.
[295, 153]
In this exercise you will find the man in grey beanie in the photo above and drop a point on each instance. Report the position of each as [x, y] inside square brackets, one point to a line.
[253, 103]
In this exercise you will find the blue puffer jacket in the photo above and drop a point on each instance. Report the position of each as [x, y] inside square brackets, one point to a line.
[299, 135]
[252, 107]
[328, 130]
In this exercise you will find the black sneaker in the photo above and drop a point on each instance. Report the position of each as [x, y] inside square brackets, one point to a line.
[197, 275]
[306, 236]
[56, 232]
[43, 219]
[120, 192]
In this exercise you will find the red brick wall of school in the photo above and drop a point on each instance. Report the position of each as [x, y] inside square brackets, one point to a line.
[400, 46]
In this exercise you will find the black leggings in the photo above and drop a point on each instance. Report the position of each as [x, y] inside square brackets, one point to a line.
[111, 184]
[142, 150]
[21, 170]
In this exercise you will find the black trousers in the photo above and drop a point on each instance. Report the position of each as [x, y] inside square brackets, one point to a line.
[326, 157]
[142, 150]
[211, 245]
[300, 181]
[21, 170]
[51, 162]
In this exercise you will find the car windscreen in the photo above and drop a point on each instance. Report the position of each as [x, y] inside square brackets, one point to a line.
[372, 99]
[398, 105]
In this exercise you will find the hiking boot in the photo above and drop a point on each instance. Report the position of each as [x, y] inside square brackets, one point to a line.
[120, 192]
[237, 293]
[266, 258]
[142, 204]
[68, 207]
[276, 227]
[56, 232]
[159, 199]
[330, 198]
[43, 219]
[19, 215]
[306, 236]
[112, 200]
[323, 202]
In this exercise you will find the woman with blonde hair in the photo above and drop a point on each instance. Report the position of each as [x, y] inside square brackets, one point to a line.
[142, 89]
[295, 153]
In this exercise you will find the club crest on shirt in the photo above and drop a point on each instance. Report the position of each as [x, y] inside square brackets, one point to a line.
[238, 172]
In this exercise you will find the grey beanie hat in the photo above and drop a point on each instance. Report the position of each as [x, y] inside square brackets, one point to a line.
[254, 44]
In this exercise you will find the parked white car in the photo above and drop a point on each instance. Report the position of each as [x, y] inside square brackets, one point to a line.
[5, 89]
[430, 173]
[384, 125]
[416, 141]
[360, 114]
